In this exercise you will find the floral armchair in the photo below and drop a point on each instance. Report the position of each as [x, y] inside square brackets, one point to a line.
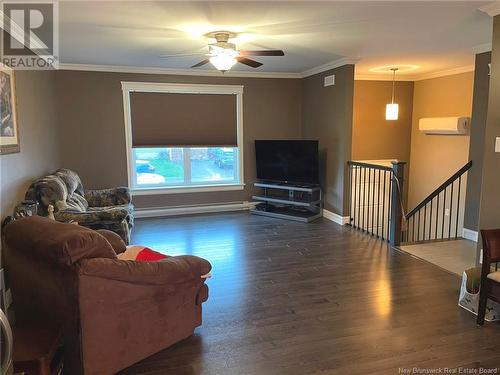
[96, 209]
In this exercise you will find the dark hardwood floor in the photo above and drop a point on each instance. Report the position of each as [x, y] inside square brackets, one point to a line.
[293, 298]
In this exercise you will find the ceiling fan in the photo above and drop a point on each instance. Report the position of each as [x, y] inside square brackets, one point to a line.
[223, 54]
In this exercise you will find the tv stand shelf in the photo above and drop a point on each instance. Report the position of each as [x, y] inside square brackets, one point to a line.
[299, 202]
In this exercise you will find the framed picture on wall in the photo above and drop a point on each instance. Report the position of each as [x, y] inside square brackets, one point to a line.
[9, 129]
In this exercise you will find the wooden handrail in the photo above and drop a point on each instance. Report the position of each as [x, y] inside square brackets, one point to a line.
[442, 187]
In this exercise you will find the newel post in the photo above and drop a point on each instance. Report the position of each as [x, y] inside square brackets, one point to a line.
[398, 169]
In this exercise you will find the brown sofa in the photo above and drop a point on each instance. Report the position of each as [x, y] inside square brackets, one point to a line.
[112, 312]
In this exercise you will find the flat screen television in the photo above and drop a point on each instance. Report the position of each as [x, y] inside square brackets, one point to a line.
[287, 161]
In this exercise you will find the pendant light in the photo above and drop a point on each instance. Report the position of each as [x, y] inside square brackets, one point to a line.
[392, 109]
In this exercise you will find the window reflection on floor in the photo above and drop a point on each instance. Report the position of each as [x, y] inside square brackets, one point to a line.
[218, 244]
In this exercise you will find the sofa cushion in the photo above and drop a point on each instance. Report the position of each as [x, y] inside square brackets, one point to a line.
[57, 242]
[114, 239]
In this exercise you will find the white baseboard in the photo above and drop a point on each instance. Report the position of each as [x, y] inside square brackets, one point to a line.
[469, 234]
[336, 218]
[190, 210]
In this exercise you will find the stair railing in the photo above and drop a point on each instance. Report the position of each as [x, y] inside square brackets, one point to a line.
[438, 216]
[375, 199]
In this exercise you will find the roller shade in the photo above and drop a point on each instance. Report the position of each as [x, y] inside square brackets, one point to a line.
[175, 119]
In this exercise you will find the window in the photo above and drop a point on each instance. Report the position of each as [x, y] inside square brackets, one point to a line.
[183, 138]
[185, 166]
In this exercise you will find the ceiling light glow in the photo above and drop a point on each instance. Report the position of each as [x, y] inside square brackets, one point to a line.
[224, 59]
[401, 68]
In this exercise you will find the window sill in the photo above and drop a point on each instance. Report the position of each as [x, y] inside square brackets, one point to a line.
[186, 189]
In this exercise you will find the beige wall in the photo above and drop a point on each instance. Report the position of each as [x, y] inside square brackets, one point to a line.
[92, 127]
[327, 116]
[373, 137]
[38, 134]
[489, 214]
[434, 158]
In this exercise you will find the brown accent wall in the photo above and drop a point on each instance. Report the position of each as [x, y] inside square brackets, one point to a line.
[38, 134]
[489, 214]
[477, 133]
[93, 134]
[327, 116]
[434, 158]
[375, 138]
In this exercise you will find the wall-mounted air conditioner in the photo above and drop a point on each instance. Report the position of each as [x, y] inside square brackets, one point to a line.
[444, 125]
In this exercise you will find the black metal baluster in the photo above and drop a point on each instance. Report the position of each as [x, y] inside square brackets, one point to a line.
[425, 219]
[364, 198]
[437, 216]
[413, 229]
[368, 200]
[451, 210]
[351, 196]
[355, 195]
[444, 211]
[370, 203]
[418, 226]
[458, 205]
[430, 221]
[359, 197]
[383, 205]
[373, 202]
[390, 206]
[378, 200]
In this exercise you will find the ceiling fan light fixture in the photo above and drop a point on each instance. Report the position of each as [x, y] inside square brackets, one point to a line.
[223, 58]
[223, 61]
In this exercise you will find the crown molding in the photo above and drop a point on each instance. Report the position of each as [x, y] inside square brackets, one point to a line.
[304, 74]
[328, 66]
[170, 71]
[482, 48]
[445, 73]
[414, 77]
[492, 9]
[204, 73]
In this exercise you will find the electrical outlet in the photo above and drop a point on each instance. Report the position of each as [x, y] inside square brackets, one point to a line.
[497, 144]
[446, 212]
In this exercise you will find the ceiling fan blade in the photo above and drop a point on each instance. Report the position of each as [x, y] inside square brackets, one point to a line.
[269, 52]
[249, 62]
[201, 63]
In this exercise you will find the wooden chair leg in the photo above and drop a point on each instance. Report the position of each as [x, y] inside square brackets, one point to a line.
[483, 298]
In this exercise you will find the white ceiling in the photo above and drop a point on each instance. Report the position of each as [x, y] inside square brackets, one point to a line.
[435, 36]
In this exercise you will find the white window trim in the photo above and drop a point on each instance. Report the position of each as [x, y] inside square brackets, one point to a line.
[182, 88]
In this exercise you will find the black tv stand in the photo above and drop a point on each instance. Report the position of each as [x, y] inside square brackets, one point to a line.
[299, 202]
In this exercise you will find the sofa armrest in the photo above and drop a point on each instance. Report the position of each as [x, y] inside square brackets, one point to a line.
[114, 239]
[172, 270]
[108, 197]
[113, 214]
